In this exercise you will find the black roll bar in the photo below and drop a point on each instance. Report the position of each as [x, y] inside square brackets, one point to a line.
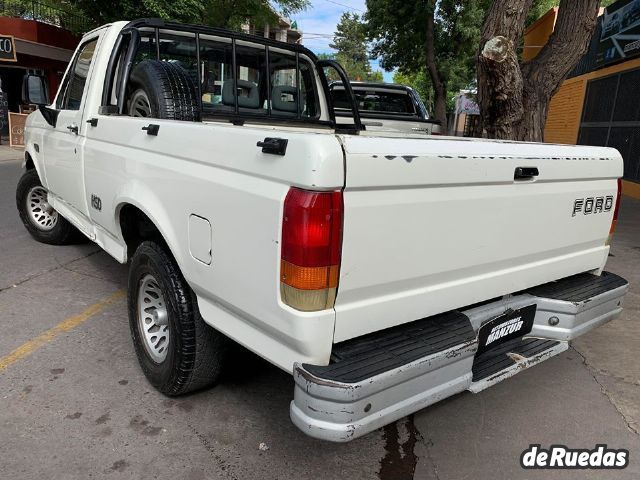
[347, 87]
[132, 31]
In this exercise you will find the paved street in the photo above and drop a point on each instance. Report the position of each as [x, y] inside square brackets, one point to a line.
[75, 405]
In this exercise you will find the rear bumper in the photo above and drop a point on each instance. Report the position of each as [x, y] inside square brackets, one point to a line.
[385, 376]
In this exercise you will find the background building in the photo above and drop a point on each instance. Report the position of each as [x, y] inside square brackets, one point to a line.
[285, 31]
[599, 104]
[33, 39]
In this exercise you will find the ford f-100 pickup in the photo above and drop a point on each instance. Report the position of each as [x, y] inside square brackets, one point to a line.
[384, 271]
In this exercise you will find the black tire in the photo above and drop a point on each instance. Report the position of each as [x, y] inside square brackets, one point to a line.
[195, 352]
[170, 92]
[60, 233]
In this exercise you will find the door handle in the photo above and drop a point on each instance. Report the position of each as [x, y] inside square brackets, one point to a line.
[152, 129]
[526, 173]
[275, 146]
[73, 128]
[93, 122]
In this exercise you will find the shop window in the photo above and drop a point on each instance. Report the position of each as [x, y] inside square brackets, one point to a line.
[627, 104]
[599, 100]
[627, 141]
[611, 118]
[596, 136]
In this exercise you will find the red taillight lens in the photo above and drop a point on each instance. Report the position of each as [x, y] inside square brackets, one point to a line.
[311, 247]
[616, 211]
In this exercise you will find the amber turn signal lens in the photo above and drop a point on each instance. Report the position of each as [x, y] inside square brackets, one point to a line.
[309, 278]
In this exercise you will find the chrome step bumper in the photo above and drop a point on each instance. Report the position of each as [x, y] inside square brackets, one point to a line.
[382, 377]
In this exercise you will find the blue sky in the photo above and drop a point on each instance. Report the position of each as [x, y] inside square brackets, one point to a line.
[318, 23]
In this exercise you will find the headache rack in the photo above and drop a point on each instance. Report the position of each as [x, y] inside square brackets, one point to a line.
[128, 43]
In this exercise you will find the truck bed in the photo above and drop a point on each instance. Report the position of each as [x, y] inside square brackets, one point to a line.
[434, 224]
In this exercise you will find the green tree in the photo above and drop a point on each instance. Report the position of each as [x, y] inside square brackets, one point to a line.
[350, 43]
[420, 82]
[540, 7]
[218, 13]
[438, 37]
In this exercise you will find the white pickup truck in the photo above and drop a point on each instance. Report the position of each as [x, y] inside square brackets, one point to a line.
[385, 272]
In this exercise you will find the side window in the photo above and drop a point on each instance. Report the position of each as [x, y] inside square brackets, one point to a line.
[216, 58]
[284, 92]
[284, 101]
[77, 78]
[146, 47]
[180, 50]
[309, 104]
[251, 64]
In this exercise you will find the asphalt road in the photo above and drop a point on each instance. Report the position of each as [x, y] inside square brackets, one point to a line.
[75, 405]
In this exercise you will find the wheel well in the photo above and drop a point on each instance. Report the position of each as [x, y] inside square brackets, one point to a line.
[29, 161]
[136, 227]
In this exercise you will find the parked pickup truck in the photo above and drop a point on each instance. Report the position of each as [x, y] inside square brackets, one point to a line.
[384, 271]
[384, 107]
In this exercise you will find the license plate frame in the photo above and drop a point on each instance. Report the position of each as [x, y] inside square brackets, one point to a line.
[511, 324]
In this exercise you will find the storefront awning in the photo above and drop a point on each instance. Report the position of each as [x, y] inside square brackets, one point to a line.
[35, 49]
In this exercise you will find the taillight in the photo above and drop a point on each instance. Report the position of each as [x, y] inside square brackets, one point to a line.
[311, 247]
[616, 211]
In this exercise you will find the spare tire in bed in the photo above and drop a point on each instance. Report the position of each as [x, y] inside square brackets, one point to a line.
[162, 90]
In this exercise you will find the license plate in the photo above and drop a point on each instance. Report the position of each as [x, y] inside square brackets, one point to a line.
[510, 325]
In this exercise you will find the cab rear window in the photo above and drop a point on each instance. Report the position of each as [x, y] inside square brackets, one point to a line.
[374, 101]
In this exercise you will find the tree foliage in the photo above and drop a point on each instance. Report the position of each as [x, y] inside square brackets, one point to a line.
[399, 31]
[218, 13]
[540, 7]
[419, 81]
[350, 43]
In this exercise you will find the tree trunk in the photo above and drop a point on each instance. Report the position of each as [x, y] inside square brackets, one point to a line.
[439, 90]
[514, 98]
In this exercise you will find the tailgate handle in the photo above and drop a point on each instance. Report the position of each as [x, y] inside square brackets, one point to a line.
[274, 146]
[526, 173]
[152, 129]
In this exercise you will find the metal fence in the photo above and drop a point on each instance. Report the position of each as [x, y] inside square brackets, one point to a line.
[32, 10]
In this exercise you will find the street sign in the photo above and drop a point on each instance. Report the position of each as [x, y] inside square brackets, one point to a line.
[620, 34]
[7, 48]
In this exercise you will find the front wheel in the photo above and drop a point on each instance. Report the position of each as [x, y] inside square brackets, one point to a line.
[38, 216]
[177, 350]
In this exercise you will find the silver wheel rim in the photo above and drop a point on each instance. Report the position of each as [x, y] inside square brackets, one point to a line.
[139, 105]
[41, 213]
[153, 319]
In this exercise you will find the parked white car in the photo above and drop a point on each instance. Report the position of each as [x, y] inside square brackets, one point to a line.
[384, 271]
[384, 107]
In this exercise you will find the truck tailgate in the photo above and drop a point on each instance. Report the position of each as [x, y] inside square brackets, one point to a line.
[435, 224]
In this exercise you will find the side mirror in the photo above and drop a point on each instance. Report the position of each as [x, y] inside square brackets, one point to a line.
[34, 90]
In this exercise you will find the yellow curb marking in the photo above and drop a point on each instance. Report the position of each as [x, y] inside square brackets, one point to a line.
[70, 323]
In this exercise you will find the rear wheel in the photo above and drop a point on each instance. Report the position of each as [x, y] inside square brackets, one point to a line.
[38, 216]
[177, 350]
